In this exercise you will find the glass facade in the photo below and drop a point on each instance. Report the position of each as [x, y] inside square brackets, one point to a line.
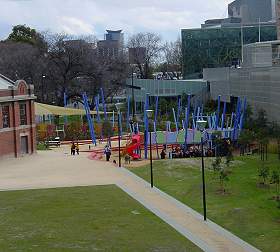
[165, 88]
[218, 47]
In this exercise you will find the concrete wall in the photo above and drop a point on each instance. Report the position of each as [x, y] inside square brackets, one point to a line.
[251, 10]
[277, 6]
[165, 88]
[260, 85]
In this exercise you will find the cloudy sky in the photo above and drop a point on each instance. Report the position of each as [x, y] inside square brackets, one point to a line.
[77, 17]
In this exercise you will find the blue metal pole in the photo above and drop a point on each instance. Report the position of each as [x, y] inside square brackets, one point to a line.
[90, 119]
[187, 111]
[218, 113]
[175, 120]
[103, 103]
[146, 125]
[128, 112]
[156, 112]
[236, 119]
[97, 108]
[224, 115]
[179, 110]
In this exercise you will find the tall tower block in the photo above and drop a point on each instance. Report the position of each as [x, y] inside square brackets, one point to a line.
[277, 6]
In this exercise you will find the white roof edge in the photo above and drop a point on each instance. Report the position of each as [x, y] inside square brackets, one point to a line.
[6, 83]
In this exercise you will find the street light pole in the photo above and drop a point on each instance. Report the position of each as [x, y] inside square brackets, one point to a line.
[203, 180]
[133, 99]
[119, 106]
[151, 161]
[149, 113]
[119, 133]
[201, 126]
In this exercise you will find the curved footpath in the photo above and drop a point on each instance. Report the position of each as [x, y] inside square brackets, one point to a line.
[51, 169]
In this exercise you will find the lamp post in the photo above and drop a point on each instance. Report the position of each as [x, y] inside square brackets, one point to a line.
[201, 124]
[132, 85]
[150, 116]
[118, 107]
[43, 87]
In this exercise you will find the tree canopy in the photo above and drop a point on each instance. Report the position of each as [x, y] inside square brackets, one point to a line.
[25, 34]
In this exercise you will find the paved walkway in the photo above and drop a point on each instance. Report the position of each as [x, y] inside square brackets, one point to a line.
[51, 169]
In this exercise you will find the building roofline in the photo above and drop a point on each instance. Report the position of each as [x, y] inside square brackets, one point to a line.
[7, 79]
[273, 42]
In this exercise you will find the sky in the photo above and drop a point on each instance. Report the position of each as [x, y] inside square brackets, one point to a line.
[93, 17]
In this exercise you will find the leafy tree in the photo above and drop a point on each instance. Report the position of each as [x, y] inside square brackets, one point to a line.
[217, 141]
[216, 164]
[275, 179]
[222, 172]
[245, 139]
[224, 177]
[229, 156]
[25, 34]
[263, 173]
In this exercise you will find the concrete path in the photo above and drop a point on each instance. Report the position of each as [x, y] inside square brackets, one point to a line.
[51, 169]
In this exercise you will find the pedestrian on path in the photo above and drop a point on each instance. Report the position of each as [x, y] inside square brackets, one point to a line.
[107, 152]
[77, 148]
[73, 148]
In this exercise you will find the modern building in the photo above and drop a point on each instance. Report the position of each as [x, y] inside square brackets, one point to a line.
[218, 42]
[258, 79]
[112, 45]
[17, 118]
[277, 15]
[251, 11]
[170, 89]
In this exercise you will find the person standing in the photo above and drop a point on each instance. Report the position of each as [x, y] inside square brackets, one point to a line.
[107, 152]
[73, 147]
[162, 154]
[77, 148]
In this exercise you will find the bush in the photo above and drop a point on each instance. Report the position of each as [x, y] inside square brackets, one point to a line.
[73, 131]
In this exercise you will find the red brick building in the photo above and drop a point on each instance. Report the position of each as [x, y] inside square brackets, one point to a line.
[17, 118]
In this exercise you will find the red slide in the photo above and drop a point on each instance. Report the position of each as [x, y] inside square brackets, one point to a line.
[134, 145]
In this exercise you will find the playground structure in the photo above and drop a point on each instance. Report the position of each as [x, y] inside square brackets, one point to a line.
[182, 130]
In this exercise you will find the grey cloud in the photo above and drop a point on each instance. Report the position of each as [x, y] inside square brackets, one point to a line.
[93, 16]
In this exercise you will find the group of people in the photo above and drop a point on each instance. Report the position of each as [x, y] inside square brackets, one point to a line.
[75, 149]
[181, 152]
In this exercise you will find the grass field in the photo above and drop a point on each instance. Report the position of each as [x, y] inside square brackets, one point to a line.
[101, 218]
[246, 209]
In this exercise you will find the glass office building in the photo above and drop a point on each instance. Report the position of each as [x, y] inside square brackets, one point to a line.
[219, 46]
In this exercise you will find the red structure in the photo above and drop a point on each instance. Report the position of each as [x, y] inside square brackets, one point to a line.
[17, 118]
[133, 146]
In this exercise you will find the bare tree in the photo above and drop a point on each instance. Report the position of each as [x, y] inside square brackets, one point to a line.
[173, 55]
[75, 66]
[152, 42]
[65, 64]
[21, 61]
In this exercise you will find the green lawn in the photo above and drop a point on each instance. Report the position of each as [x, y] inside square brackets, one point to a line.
[101, 218]
[246, 210]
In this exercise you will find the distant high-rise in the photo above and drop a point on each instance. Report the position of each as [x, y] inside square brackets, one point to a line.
[251, 11]
[277, 8]
[219, 41]
[112, 45]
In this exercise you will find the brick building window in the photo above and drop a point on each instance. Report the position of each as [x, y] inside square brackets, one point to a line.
[6, 116]
[22, 114]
